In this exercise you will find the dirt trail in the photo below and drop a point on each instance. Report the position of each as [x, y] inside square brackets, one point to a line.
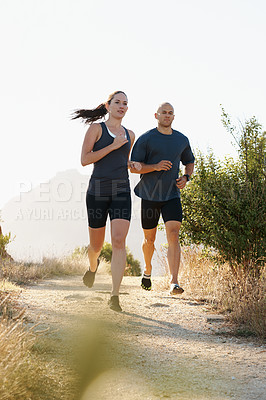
[160, 347]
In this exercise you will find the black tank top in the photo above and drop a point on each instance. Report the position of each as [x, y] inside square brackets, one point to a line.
[110, 173]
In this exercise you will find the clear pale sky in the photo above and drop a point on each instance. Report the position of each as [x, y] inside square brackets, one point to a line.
[59, 55]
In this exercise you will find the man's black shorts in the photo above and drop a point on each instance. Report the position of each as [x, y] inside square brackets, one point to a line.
[171, 210]
[98, 208]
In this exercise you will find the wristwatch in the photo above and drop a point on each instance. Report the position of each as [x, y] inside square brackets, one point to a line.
[187, 176]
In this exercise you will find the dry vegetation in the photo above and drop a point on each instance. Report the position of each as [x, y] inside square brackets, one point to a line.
[240, 297]
[24, 374]
[30, 368]
[23, 273]
[27, 367]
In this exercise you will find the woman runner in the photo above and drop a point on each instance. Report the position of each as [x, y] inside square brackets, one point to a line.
[107, 145]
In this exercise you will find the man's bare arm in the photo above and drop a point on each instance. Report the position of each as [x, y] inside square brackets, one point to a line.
[181, 182]
[189, 168]
[163, 165]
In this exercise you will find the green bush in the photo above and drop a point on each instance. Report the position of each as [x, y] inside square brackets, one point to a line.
[106, 252]
[132, 265]
[4, 241]
[224, 205]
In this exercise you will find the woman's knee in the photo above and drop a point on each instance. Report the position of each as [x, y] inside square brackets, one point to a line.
[118, 241]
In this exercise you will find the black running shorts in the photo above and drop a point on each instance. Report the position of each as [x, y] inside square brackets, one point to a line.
[171, 210]
[98, 208]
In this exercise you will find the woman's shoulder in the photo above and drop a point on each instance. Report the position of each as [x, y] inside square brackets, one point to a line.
[94, 131]
[95, 127]
[131, 133]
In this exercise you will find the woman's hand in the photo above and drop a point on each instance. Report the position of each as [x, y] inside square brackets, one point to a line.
[134, 165]
[119, 141]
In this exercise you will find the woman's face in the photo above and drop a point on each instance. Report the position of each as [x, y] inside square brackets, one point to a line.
[118, 106]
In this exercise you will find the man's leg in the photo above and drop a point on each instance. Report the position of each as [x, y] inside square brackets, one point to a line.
[148, 248]
[150, 214]
[174, 252]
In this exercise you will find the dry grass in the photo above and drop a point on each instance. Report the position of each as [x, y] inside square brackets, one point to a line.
[201, 277]
[23, 374]
[22, 273]
[31, 365]
[241, 298]
[28, 369]
[245, 299]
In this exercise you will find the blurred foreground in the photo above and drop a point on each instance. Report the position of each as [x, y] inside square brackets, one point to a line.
[59, 340]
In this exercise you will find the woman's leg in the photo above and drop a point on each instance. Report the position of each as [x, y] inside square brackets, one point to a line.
[95, 246]
[119, 230]
[97, 210]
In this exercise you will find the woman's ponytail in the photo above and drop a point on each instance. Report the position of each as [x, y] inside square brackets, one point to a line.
[89, 116]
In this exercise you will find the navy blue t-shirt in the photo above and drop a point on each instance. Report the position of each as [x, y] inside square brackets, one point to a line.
[153, 147]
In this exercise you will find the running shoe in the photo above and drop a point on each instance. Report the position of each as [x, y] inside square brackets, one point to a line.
[114, 303]
[176, 289]
[89, 276]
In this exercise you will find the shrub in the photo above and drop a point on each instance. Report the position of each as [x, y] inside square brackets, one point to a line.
[4, 240]
[106, 252]
[132, 265]
[224, 205]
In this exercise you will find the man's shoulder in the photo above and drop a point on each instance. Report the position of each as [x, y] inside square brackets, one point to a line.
[179, 134]
[146, 135]
[149, 132]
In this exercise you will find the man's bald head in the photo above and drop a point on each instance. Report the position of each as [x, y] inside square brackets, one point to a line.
[163, 105]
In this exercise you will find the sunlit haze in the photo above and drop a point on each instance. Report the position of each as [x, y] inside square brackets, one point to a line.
[60, 55]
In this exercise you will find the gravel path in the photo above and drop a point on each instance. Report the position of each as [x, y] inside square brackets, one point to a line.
[159, 347]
